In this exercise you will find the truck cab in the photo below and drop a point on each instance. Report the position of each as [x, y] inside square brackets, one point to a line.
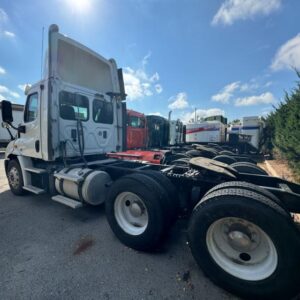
[76, 109]
[136, 130]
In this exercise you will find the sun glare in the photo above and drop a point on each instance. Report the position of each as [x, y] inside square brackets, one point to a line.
[79, 6]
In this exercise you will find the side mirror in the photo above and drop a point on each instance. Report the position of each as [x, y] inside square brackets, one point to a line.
[6, 109]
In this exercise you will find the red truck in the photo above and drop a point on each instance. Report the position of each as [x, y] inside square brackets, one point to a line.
[136, 130]
[137, 140]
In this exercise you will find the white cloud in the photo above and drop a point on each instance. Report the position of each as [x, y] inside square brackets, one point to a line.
[251, 86]
[226, 93]
[7, 93]
[3, 89]
[9, 34]
[266, 111]
[179, 101]
[201, 113]
[3, 16]
[288, 55]
[156, 114]
[14, 94]
[2, 71]
[268, 84]
[146, 58]
[139, 84]
[4, 21]
[233, 10]
[265, 98]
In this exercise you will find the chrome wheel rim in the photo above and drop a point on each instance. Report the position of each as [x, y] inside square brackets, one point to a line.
[131, 213]
[242, 249]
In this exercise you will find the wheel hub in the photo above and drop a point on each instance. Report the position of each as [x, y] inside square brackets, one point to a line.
[135, 209]
[239, 240]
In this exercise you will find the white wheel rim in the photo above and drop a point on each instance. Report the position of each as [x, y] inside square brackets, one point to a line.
[242, 249]
[131, 213]
[14, 177]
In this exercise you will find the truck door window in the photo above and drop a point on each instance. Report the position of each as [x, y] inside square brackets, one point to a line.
[73, 106]
[31, 108]
[103, 112]
[136, 122]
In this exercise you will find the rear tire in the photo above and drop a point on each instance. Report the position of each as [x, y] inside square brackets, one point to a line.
[135, 212]
[193, 153]
[246, 243]
[170, 158]
[225, 159]
[168, 190]
[15, 178]
[226, 152]
[245, 167]
[181, 162]
[247, 186]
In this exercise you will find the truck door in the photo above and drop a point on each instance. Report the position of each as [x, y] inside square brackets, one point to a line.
[136, 132]
[29, 143]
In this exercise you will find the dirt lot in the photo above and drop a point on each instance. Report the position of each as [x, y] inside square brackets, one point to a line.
[48, 251]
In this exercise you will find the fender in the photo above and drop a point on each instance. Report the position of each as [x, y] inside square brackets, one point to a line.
[25, 162]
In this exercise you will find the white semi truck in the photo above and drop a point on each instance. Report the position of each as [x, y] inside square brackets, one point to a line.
[251, 126]
[241, 232]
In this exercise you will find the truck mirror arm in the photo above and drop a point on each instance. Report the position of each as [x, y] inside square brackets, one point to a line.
[9, 132]
[20, 129]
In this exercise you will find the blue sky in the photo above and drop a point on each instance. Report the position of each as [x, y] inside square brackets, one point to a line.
[218, 56]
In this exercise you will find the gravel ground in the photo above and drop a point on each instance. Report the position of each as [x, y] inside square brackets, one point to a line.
[48, 251]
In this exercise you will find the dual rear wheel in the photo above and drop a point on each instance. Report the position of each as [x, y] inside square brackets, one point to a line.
[245, 241]
[241, 235]
[141, 208]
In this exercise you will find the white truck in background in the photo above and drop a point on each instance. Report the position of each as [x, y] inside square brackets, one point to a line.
[176, 132]
[251, 126]
[77, 114]
[206, 132]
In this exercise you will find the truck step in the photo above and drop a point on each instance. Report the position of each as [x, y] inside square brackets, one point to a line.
[67, 201]
[69, 177]
[34, 189]
[36, 170]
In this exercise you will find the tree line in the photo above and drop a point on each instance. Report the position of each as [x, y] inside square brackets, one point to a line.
[282, 130]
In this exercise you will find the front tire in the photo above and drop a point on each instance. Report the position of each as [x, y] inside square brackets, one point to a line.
[246, 243]
[15, 178]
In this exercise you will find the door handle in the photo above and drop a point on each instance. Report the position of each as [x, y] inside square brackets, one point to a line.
[104, 134]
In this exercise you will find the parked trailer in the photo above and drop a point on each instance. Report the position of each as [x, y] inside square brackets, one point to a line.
[241, 232]
[250, 126]
[205, 132]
